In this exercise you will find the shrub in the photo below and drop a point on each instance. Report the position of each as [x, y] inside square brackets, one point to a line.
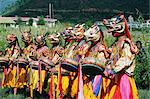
[41, 21]
[30, 22]
[19, 21]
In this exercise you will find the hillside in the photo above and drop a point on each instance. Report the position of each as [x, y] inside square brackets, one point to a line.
[82, 9]
[5, 3]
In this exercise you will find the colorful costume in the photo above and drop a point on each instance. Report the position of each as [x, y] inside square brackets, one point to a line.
[75, 50]
[38, 70]
[22, 61]
[94, 63]
[54, 57]
[122, 85]
[10, 69]
[25, 72]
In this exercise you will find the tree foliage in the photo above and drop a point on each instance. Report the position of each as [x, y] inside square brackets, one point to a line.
[142, 70]
[30, 21]
[19, 21]
[41, 21]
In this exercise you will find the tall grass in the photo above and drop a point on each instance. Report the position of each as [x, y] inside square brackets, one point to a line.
[34, 32]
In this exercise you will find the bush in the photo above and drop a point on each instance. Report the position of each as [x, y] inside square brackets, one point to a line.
[88, 23]
[30, 22]
[19, 21]
[41, 21]
[142, 71]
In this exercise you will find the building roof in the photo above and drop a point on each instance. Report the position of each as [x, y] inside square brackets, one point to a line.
[25, 19]
[5, 20]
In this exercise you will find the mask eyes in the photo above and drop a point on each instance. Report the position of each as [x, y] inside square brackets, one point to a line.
[91, 33]
[118, 27]
[119, 19]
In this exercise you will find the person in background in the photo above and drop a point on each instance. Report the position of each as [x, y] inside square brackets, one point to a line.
[141, 56]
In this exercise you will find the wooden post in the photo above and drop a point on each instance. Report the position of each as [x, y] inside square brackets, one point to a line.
[50, 10]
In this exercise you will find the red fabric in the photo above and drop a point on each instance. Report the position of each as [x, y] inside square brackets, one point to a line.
[68, 40]
[78, 81]
[60, 83]
[18, 74]
[118, 34]
[126, 29]
[78, 40]
[117, 94]
[5, 71]
[39, 75]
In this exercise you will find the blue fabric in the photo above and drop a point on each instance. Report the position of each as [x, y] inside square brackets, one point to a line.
[96, 90]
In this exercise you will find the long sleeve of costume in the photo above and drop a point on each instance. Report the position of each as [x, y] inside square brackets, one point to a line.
[125, 60]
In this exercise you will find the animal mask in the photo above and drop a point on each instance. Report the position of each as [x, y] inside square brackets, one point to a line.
[26, 37]
[68, 33]
[40, 40]
[115, 25]
[93, 33]
[54, 38]
[11, 39]
[79, 31]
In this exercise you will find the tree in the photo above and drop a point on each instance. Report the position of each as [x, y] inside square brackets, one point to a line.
[19, 21]
[41, 21]
[30, 21]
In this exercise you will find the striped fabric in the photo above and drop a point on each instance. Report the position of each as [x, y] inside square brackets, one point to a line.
[96, 84]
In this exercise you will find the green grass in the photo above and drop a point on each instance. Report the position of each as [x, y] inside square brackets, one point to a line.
[144, 94]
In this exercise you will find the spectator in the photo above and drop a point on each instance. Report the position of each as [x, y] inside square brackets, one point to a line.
[142, 54]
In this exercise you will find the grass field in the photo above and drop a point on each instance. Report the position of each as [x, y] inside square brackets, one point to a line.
[142, 35]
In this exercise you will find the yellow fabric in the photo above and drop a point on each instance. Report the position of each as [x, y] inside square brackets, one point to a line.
[109, 92]
[55, 79]
[99, 95]
[125, 59]
[42, 78]
[88, 92]
[54, 85]
[105, 83]
[22, 78]
[112, 92]
[43, 73]
[133, 86]
[30, 81]
[35, 78]
[10, 79]
[74, 87]
[65, 84]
